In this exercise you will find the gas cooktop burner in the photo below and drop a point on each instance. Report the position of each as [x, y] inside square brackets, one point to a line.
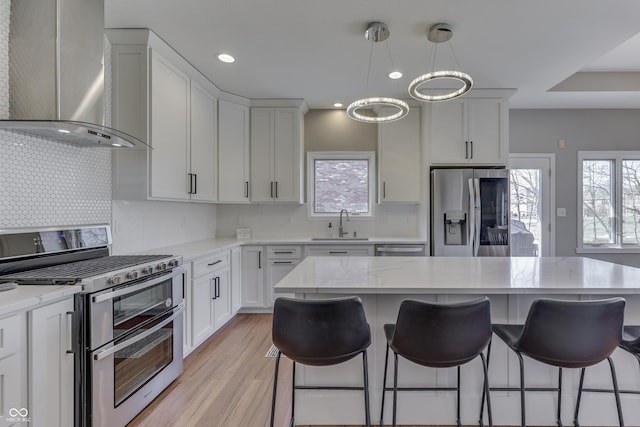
[74, 272]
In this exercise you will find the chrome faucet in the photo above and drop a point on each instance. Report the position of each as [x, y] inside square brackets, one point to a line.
[341, 232]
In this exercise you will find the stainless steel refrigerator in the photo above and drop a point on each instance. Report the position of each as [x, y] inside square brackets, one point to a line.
[470, 212]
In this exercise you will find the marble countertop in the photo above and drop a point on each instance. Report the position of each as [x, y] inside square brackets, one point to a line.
[192, 250]
[459, 275]
[26, 297]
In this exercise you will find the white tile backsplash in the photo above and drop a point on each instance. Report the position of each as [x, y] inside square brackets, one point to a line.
[285, 221]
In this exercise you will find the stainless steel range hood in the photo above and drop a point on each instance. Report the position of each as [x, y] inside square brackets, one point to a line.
[56, 73]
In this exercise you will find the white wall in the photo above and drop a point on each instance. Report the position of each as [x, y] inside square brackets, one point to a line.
[538, 131]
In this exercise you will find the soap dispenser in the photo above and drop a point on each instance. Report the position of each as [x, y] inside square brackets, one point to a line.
[329, 231]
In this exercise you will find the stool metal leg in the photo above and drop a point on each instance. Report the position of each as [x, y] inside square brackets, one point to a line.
[275, 389]
[365, 367]
[395, 386]
[558, 420]
[486, 378]
[293, 396]
[575, 415]
[523, 422]
[616, 391]
[458, 399]
[384, 385]
[485, 389]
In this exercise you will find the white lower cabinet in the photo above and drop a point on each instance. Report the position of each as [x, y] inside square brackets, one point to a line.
[13, 374]
[262, 268]
[236, 279]
[51, 361]
[210, 295]
[341, 250]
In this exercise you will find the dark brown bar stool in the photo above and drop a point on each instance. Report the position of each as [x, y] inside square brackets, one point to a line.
[566, 334]
[320, 333]
[631, 340]
[438, 336]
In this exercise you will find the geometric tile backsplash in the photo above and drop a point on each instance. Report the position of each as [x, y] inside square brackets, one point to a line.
[43, 182]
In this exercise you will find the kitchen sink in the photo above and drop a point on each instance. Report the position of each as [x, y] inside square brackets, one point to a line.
[338, 239]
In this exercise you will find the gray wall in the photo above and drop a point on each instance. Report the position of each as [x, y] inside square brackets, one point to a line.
[332, 130]
[538, 131]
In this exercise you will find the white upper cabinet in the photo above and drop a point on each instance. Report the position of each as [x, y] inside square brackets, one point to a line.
[203, 181]
[399, 160]
[468, 131]
[276, 154]
[169, 134]
[233, 152]
[161, 99]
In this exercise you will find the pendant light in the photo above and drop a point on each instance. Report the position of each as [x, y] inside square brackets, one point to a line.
[377, 32]
[440, 33]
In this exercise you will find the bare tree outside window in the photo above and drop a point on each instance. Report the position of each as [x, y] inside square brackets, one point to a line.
[631, 202]
[341, 184]
[597, 201]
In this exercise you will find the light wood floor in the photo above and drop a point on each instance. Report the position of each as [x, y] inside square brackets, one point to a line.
[227, 382]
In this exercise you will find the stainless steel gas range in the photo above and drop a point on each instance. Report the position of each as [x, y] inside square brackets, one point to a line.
[128, 317]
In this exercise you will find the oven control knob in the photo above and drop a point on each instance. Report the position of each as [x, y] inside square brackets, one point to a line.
[133, 274]
[147, 270]
[173, 263]
[161, 266]
[114, 280]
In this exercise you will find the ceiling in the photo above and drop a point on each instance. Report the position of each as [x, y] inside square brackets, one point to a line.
[587, 51]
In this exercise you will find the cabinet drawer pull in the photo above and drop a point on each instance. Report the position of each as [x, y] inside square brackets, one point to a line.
[282, 262]
[214, 262]
[338, 252]
[283, 252]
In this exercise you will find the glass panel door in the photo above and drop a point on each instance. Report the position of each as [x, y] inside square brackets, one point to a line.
[531, 202]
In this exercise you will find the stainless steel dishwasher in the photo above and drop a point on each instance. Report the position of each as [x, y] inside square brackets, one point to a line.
[400, 249]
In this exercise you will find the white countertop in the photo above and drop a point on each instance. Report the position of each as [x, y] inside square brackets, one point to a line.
[26, 297]
[459, 275]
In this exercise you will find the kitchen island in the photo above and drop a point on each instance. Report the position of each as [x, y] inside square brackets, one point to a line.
[511, 284]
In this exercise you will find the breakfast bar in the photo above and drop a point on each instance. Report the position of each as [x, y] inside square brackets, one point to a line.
[512, 284]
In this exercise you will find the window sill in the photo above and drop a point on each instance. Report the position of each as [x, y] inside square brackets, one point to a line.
[608, 250]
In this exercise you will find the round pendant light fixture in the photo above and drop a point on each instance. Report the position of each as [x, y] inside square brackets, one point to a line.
[377, 32]
[440, 33]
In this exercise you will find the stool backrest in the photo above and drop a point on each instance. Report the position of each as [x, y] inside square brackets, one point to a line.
[320, 332]
[442, 335]
[572, 334]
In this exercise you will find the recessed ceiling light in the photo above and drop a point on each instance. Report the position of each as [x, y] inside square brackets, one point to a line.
[226, 58]
[395, 75]
[337, 105]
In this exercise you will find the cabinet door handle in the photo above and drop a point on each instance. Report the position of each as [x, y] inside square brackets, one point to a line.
[190, 190]
[195, 183]
[72, 334]
[337, 252]
[214, 262]
[246, 189]
[276, 189]
[466, 149]
[471, 143]
[213, 282]
[271, 188]
[384, 189]
[259, 259]
[218, 287]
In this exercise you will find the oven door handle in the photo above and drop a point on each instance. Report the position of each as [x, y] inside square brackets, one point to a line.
[109, 351]
[130, 289]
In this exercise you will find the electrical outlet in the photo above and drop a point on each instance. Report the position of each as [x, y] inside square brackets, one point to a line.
[561, 212]
[561, 143]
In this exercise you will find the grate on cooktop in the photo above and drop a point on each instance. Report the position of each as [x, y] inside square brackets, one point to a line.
[76, 271]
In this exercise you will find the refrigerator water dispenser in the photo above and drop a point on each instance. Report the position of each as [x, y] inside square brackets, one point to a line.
[455, 228]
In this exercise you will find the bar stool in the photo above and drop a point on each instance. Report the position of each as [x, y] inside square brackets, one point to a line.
[566, 334]
[438, 336]
[631, 340]
[320, 333]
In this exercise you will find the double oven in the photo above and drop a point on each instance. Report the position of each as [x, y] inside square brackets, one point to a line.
[128, 319]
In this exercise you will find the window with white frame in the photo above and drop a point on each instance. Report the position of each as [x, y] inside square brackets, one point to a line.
[340, 180]
[609, 199]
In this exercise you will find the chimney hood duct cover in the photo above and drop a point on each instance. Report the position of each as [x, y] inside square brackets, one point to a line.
[56, 73]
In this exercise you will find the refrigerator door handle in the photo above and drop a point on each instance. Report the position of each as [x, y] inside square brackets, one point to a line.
[478, 213]
[472, 217]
